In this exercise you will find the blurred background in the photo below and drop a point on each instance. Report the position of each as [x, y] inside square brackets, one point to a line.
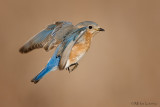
[121, 67]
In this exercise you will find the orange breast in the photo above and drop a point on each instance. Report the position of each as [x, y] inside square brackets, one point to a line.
[80, 48]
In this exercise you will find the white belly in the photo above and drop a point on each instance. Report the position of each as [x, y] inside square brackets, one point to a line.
[76, 60]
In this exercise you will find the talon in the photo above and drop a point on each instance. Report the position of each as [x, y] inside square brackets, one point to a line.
[68, 69]
[75, 66]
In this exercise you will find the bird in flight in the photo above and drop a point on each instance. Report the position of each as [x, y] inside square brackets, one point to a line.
[71, 43]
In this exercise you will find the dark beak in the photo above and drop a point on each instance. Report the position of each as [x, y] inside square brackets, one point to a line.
[101, 29]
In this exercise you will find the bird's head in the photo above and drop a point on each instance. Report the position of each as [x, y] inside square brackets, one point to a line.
[92, 27]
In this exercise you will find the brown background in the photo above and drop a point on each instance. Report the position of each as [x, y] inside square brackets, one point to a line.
[122, 66]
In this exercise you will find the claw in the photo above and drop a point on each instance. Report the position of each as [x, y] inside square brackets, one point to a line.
[75, 66]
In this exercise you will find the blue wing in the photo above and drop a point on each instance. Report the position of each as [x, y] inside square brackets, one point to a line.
[39, 40]
[47, 38]
[67, 45]
[51, 66]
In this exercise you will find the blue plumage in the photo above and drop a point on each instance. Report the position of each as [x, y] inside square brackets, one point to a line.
[51, 66]
[73, 36]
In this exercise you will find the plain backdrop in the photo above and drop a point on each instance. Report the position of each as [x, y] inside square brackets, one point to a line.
[121, 67]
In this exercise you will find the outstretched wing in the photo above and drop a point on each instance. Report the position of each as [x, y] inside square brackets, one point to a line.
[68, 44]
[49, 37]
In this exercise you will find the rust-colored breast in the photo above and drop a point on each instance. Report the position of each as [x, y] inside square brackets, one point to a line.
[80, 49]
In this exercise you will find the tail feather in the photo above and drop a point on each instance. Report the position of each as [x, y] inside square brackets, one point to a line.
[51, 66]
[42, 74]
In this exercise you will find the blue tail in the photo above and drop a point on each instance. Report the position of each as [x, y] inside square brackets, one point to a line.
[51, 66]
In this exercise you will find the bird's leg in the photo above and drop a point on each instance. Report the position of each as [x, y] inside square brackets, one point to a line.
[68, 69]
[75, 66]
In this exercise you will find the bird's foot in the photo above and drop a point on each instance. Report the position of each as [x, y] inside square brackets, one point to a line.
[75, 66]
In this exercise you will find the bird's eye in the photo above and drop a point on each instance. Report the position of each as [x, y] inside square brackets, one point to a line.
[90, 27]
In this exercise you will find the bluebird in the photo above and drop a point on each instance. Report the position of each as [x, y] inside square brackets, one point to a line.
[71, 43]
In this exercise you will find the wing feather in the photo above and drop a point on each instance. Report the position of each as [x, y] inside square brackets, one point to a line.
[47, 38]
[68, 44]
